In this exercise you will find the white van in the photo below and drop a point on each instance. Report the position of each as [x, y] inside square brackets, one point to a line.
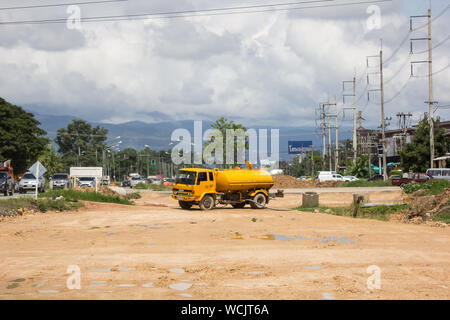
[439, 173]
[329, 176]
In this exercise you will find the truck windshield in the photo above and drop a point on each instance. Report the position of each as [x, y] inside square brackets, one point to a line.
[185, 177]
[28, 176]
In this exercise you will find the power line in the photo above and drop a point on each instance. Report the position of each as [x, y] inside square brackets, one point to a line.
[405, 62]
[61, 4]
[195, 13]
[435, 18]
[434, 73]
[400, 91]
[436, 46]
[412, 30]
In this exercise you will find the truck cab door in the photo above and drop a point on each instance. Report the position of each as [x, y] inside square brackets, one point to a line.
[203, 184]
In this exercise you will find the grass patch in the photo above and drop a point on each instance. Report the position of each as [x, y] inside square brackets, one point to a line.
[364, 183]
[133, 195]
[75, 195]
[377, 212]
[155, 187]
[431, 186]
[444, 214]
[11, 207]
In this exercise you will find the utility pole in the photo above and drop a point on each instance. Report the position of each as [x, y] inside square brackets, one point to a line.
[369, 153]
[430, 79]
[323, 126]
[360, 119]
[355, 142]
[336, 162]
[383, 123]
[329, 135]
[430, 90]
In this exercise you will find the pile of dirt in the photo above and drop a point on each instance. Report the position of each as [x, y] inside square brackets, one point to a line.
[423, 207]
[287, 182]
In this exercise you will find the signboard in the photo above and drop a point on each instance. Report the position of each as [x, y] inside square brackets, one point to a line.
[37, 169]
[297, 147]
[95, 172]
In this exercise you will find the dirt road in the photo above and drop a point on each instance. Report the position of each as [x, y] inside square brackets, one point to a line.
[155, 250]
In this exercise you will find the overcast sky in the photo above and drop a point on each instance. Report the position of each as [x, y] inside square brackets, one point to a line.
[258, 68]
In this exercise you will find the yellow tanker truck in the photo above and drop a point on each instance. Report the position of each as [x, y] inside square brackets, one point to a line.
[206, 187]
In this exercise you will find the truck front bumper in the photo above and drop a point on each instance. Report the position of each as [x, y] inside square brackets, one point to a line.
[183, 197]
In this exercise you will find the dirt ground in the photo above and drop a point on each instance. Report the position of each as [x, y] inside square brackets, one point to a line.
[155, 250]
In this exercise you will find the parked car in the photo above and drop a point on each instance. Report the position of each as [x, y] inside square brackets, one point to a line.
[416, 177]
[126, 183]
[7, 184]
[86, 182]
[377, 177]
[135, 180]
[330, 176]
[60, 181]
[28, 182]
[350, 178]
[439, 173]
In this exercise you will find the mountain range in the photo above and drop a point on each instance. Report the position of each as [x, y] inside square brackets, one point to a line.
[138, 134]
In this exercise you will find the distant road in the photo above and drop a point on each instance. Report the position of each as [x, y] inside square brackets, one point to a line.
[341, 189]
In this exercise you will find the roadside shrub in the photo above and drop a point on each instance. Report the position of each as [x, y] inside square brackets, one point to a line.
[431, 187]
[134, 195]
[74, 195]
[12, 207]
[155, 187]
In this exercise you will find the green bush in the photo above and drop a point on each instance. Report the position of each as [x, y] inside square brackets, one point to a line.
[74, 195]
[397, 172]
[134, 195]
[431, 187]
[11, 206]
[155, 187]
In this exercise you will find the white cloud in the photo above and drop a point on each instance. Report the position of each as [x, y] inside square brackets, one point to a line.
[271, 68]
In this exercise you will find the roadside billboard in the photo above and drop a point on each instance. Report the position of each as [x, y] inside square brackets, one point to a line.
[297, 147]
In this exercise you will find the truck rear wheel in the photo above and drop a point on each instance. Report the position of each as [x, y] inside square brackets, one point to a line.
[184, 204]
[261, 201]
[238, 205]
[207, 202]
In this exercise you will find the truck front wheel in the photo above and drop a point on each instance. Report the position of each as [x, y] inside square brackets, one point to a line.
[207, 202]
[184, 204]
[260, 200]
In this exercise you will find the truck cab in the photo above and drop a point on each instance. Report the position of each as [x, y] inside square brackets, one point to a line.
[192, 185]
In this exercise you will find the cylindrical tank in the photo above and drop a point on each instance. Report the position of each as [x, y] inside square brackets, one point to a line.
[242, 179]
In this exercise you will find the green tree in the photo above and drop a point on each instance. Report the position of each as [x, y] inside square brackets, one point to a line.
[360, 168]
[306, 167]
[21, 139]
[415, 156]
[52, 161]
[82, 145]
[223, 124]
